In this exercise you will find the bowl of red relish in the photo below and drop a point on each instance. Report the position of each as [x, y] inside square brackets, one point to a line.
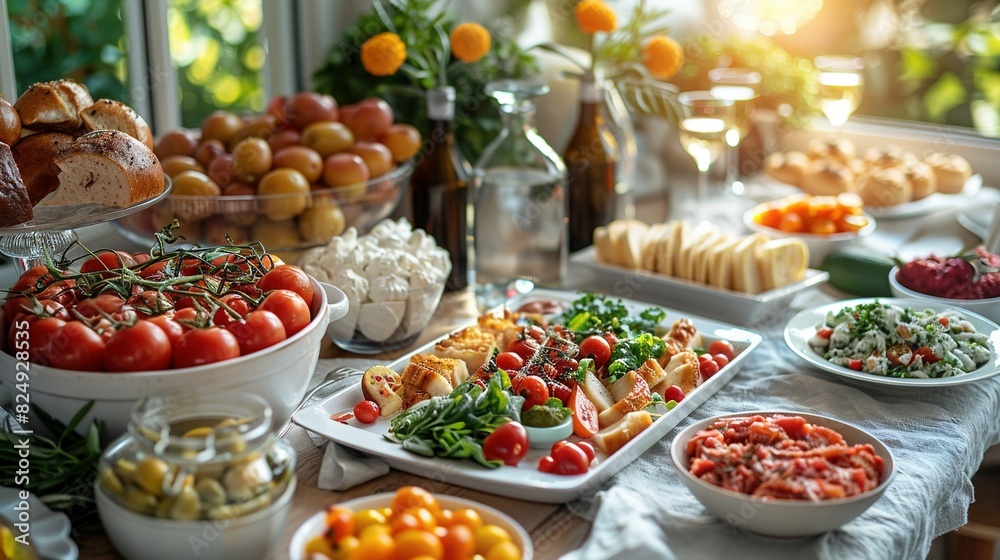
[782, 474]
[970, 281]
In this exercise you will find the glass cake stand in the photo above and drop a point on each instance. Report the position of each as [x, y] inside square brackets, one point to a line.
[50, 231]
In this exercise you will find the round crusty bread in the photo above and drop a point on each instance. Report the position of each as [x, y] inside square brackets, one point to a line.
[106, 167]
[53, 106]
[834, 148]
[826, 177]
[110, 114]
[35, 156]
[10, 123]
[884, 187]
[921, 178]
[786, 167]
[950, 170]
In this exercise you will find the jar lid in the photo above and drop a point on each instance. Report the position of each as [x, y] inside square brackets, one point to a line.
[198, 428]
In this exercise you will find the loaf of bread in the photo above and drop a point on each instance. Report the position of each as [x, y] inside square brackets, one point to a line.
[53, 106]
[15, 207]
[950, 170]
[35, 156]
[109, 114]
[106, 167]
[10, 123]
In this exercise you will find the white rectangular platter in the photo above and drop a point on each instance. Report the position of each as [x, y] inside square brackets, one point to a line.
[525, 481]
[726, 305]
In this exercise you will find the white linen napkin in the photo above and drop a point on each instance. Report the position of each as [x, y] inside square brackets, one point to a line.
[342, 468]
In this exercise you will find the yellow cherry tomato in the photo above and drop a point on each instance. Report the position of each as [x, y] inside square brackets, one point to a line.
[374, 545]
[367, 517]
[504, 550]
[468, 517]
[413, 542]
[414, 497]
[489, 535]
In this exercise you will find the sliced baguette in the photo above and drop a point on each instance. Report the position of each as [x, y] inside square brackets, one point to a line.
[746, 271]
[379, 384]
[615, 436]
[700, 255]
[782, 262]
[635, 396]
[602, 244]
[628, 244]
[597, 392]
[681, 370]
[669, 247]
[720, 263]
[650, 246]
[692, 238]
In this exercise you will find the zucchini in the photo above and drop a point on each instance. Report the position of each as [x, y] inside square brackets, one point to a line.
[859, 272]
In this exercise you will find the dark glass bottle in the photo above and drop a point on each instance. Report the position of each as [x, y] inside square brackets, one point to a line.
[591, 158]
[440, 188]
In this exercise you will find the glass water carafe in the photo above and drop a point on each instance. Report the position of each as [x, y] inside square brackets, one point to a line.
[520, 230]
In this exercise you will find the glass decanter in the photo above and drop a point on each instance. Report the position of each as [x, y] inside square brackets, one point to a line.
[520, 229]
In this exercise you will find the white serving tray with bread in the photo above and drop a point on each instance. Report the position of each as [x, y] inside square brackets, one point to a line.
[524, 481]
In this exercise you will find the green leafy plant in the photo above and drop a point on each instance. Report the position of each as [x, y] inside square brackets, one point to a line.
[477, 121]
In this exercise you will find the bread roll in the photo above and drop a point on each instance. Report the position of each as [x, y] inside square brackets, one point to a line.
[886, 156]
[786, 167]
[950, 170]
[827, 177]
[109, 114]
[921, 177]
[35, 156]
[884, 187]
[10, 123]
[106, 167]
[15, 206]
[53, 106]
[831, 148]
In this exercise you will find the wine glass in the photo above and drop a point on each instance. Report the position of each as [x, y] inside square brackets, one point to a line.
[704, 121]
[840, 84]
[739, 85]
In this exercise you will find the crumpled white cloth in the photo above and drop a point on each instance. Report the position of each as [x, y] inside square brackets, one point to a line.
[342, 468]
[937, 436]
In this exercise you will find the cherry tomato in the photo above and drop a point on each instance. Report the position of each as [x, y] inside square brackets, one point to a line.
[570, 459]
[547, 464]
[288, 277]
[40, 334]
[235, 302]
[509, 361]
[673, 393]
[141, 258]
[107, 303]
[707, 366]
[260, 329]
[585, 422]
[63, 291]
[76, 346]
[108, 260]
[559, 390]
[854, 364]
[534, 391]
[169, 326]
[926, 353]
[536, 333]
[824, 332]
[722, 347]
[588, 449]
[366, 411]
[525, 348]
[611, 338]
[290, 308]
[507, 443]
[943, 321]
[189, 318]
[205, 346]
[721, 360]
[596, 347]
[151, 302]
[141, 347]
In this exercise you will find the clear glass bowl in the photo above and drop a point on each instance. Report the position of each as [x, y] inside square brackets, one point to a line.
[374, 328]
[285, 223]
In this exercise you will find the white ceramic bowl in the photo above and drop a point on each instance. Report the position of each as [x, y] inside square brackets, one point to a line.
[987, 307]
[280, 374]
[141, 537]
[316, 524]
[543, 438]
[819, 245]
[782, 518]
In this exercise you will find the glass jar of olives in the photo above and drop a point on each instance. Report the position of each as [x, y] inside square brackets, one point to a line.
[198, 456]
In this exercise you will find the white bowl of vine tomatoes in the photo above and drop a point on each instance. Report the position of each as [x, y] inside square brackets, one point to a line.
[231, 318]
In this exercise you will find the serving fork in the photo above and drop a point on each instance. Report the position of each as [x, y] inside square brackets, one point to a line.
[322, 390]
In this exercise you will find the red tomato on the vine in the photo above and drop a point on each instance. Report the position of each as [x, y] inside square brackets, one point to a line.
[107, 260]
[142, 346]
[76, 346]
[205, 346]
[235, 302]
[288, 277]
[597, 348]
[290, 308]
[533, 389]
[258, 330]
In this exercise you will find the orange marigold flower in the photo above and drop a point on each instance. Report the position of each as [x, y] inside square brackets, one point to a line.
[594, 15]
[663, 56]
[383, 54]
[470, 42]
